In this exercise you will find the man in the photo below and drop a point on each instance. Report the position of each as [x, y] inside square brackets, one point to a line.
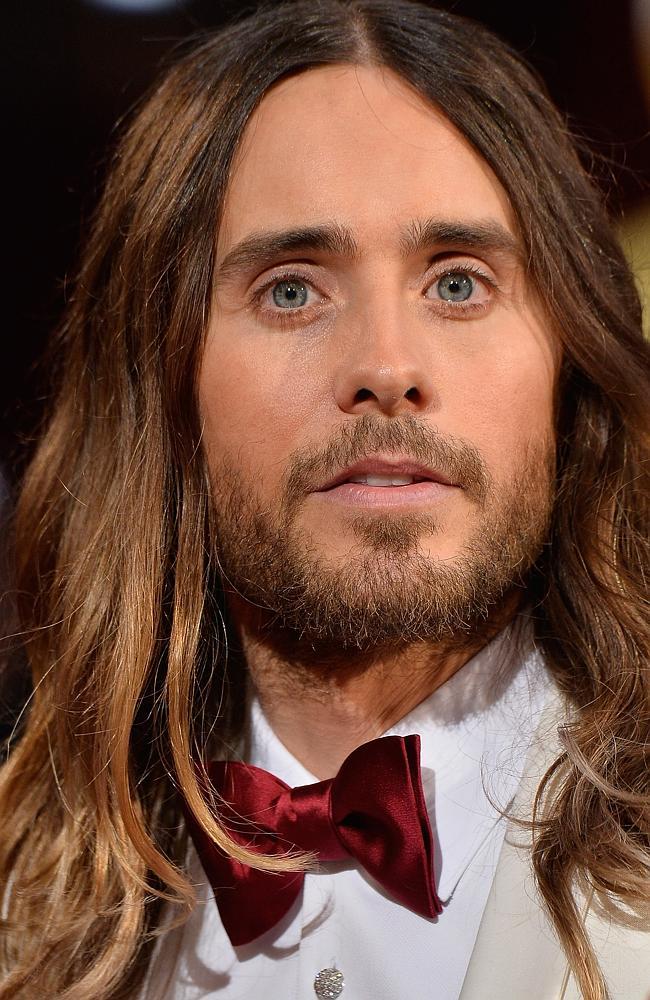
[350, 444]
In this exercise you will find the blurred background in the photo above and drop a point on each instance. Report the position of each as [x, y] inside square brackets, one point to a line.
[75, 67]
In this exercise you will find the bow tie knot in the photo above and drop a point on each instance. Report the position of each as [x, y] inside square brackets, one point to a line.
[302, 817]
[373, 810]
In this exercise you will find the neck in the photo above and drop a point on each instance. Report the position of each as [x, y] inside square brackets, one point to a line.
[322, 703]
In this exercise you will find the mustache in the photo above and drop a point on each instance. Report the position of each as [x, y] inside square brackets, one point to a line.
[458, 460]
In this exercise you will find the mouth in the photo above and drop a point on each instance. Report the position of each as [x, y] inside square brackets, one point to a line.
[386, 482]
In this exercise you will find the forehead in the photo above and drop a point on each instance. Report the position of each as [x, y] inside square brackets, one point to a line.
[354, 144]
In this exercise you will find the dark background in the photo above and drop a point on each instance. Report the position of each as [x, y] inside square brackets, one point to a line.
[74, 68]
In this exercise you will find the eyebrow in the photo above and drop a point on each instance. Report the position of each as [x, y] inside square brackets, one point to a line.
[260, 249]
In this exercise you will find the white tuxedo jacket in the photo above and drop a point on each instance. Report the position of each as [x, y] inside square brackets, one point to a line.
[517, 955]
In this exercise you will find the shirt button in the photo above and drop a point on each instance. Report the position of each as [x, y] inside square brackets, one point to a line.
[328, 984]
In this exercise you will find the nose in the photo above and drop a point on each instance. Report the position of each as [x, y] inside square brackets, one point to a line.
[384, 368]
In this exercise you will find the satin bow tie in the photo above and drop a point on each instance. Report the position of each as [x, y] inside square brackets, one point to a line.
[372, 811]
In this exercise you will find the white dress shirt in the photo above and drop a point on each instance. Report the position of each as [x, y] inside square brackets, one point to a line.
[475, 731]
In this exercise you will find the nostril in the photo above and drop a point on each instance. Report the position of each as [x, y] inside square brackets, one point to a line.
[412, 393]
[362, 395]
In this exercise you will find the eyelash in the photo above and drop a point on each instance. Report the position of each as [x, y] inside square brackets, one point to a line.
[288, 317]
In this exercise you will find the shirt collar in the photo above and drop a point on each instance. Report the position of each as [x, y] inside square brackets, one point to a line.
[475, 731]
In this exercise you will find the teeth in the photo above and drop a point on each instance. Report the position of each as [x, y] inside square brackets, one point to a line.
[383, 480]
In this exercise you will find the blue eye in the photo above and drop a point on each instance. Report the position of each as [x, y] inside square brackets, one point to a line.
[456, 286]
[289, 294]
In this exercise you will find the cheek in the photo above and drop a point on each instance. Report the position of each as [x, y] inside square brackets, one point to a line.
[509, 399]
[255, 398]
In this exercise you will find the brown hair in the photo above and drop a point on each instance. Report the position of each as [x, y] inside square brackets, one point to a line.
[119, 594]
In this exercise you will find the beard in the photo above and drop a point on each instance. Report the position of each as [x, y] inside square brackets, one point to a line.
[388, 591]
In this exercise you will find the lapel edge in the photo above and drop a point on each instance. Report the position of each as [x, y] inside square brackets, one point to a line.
[514, 931]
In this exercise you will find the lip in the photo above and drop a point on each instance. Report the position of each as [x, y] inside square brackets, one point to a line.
[434, 486]
[360, 495]
[376, 465]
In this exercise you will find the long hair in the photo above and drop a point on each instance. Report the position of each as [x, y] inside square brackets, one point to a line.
[120, 599]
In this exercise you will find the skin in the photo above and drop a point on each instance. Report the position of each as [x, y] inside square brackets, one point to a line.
[357, 146]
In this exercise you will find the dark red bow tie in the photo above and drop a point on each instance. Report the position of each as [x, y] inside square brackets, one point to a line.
[373, 811]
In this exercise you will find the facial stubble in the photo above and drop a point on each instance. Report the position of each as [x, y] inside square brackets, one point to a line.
[388, 590]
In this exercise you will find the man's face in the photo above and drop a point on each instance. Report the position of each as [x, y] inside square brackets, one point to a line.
[399, 341]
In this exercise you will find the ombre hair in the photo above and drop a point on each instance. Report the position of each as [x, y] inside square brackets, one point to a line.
[120, 599]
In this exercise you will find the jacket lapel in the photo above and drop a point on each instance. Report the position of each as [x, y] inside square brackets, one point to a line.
[516, 952]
